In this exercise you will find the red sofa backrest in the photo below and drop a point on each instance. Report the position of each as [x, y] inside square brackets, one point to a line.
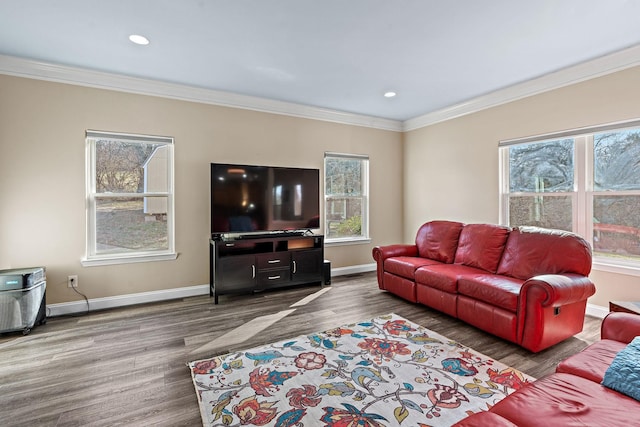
[531, 251]
[481, 245]
[438, 240]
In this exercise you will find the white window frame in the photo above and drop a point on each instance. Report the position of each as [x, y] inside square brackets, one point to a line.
[92, 258]
[583, 193]
[364, 236]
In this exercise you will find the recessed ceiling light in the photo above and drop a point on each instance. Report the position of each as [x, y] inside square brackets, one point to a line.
[138, 39]
[389, 94]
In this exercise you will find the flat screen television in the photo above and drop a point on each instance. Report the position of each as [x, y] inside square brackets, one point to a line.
[248, 199]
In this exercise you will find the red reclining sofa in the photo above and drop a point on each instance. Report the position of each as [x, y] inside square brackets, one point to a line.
[528, 285]
[574, 395]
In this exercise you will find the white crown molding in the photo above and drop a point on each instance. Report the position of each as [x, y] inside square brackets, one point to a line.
[601, 66]
[27, 68]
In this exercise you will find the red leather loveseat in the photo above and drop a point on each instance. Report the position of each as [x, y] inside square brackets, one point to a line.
[527, 285]
[573, 395]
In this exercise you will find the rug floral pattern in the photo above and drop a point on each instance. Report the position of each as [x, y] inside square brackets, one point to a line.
[383, 372]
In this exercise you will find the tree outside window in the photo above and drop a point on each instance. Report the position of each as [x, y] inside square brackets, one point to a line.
[541, 178]
[616, 194]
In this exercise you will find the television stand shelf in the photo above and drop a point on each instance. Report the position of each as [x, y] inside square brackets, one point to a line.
[250, 265]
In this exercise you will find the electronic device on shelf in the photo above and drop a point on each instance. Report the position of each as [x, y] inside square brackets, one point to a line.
[249, 200]
[271, 234]
[276, 234]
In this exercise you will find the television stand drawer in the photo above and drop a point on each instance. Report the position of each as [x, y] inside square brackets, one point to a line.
[273, 277]
[274, 260]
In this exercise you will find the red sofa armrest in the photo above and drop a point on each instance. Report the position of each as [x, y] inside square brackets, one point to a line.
[380, 253]
[623, 327]
[560, 289]
[551, 308]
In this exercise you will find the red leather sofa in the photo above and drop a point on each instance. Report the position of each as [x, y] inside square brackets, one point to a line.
[573, 395]
[527, 285]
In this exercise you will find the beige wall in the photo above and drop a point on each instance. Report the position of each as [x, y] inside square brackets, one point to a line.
[42, 177]
[448, 171]
[451, 168]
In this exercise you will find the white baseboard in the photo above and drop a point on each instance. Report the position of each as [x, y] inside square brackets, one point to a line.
[75, 307]
[124, 300]
[354, 269]
[597, 311]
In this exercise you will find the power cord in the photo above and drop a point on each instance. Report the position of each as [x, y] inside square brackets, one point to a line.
[75, 314]
[86, 300]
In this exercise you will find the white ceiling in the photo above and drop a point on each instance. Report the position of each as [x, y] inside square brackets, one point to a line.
[339, 55]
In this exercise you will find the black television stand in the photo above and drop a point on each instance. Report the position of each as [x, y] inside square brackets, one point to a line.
[260, 262]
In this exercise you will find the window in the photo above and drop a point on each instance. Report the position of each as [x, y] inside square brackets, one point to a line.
[586, 181]
[129, 198]
[541, 184]
[346, 202]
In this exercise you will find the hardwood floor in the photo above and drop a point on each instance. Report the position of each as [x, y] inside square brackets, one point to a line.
[128, 366]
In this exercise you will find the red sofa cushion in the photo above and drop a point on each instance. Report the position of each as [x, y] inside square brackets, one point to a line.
[567, 400]
[531, 251]
[500, 291]
[444, 276]
[438, 240]
[481, 246]
[406, 266]
[592, 362]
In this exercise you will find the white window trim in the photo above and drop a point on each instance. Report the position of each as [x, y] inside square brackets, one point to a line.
[343, 241]
[91, 258]
[583, 186]
[364, 238]
[130, 259]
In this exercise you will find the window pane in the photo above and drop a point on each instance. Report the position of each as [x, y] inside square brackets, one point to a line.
[542, 211]
[343, 176]
[616, 225]
[344, 217]
[127, 167]
[617, 160]
[131, 224]
[541, 167]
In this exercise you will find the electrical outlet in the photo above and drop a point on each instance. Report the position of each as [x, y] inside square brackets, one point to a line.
[72, 281]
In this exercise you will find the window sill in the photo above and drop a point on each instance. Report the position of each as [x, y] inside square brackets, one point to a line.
[347, 241]
[603, 264]
[127, 259]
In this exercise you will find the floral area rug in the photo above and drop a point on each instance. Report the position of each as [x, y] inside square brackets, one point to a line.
[386, 371]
